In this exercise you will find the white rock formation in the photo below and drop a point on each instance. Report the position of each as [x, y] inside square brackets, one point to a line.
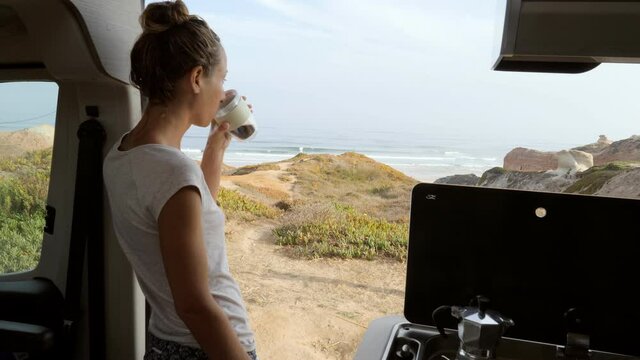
[573, 161]
[603, 140]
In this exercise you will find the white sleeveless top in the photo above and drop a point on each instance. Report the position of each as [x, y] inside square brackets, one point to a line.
[139, 182]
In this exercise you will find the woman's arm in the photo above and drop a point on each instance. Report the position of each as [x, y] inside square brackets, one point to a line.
[185, 263]
[212, 157]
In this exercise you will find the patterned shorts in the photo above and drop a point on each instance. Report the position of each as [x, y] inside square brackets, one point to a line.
[160, 349]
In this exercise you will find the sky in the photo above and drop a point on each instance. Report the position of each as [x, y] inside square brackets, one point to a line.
[422, 66]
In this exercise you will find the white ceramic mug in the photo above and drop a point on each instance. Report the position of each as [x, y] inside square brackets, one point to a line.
[236, 112]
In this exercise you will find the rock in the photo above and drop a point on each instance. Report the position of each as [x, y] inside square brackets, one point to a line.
[603, 140]
[522, 159]
[528, 160]
[602, 168]
[592, 180]
[533, 181]
[614, 179]
[626, 184]
[573, 161]
[468, 179]
[597, 146]
[623, 150]
[604, 151]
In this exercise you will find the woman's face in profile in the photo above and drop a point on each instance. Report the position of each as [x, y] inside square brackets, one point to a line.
[212, 92]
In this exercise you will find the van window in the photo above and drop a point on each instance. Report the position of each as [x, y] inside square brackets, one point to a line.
[27, 113]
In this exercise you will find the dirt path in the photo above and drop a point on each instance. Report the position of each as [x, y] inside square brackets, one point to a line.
[277, 180]
[309, 309]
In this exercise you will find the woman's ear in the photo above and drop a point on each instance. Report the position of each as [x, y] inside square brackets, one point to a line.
[195, 79]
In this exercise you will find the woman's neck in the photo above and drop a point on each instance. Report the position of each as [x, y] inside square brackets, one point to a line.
[160, 124]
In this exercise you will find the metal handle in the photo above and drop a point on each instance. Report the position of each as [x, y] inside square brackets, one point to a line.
[438, 315]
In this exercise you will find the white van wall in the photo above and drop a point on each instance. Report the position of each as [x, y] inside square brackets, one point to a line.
[84, 46]
[119, 107]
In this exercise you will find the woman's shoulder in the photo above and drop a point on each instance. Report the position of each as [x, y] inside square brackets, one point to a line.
[162, 157]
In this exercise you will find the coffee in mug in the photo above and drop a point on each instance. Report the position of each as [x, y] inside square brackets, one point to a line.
[236, 112]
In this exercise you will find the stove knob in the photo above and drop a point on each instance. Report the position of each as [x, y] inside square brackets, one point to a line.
[405, 353]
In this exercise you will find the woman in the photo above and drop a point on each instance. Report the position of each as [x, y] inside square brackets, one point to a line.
[164, 210]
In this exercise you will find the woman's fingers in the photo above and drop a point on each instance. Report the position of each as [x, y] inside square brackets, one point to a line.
[248, 105]
[221, 130]
[223, 127]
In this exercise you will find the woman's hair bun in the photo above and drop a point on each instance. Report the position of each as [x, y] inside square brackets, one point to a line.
[161, 16]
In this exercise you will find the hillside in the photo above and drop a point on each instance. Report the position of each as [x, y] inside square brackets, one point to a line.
[17, 143]
[603, 168]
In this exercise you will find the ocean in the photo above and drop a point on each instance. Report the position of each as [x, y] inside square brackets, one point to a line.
[424, 157]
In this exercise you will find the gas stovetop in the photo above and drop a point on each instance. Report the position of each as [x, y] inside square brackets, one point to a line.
[420, 342]
[563, 267]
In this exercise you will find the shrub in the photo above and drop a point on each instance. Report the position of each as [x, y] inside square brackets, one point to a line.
[339, 230]
[23, 193]
[592, 180]
[20, 242]
[236, 204]
[385, 192]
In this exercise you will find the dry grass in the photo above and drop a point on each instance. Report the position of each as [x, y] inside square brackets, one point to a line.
[264, 193]
[346, 206]
[356, 180]
[253, 168]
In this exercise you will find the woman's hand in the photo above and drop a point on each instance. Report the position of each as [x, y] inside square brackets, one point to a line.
[219, 138]
[248, 104]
